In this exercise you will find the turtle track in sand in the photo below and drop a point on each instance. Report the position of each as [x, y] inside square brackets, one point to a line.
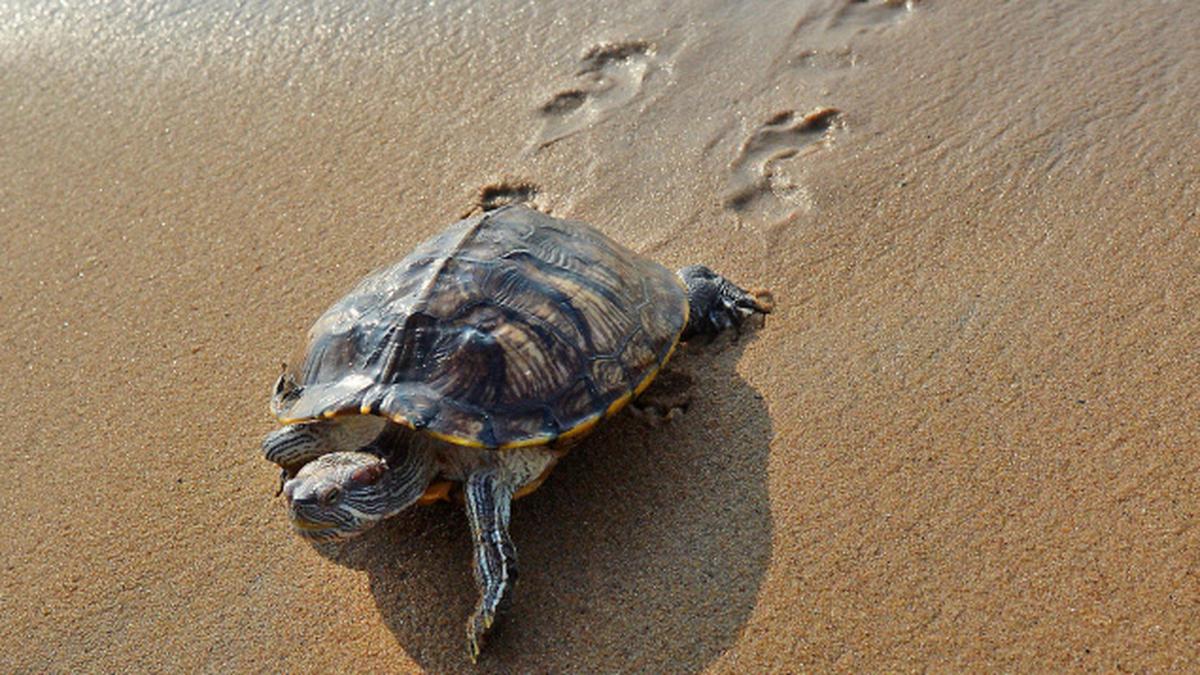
[822, 43]
[495, 195]
[765, 176]
[610, 75]
[761, 183]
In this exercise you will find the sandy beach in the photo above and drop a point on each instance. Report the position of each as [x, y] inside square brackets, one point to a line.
[968, 439]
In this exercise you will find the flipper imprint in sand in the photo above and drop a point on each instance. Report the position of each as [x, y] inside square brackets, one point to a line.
[823, 42]
[495, 195]
[858, 16]
[610, 75]
[505, 190]
[763, 182]
[762, 186]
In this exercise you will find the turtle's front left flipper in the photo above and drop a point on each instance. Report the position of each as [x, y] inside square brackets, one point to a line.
[488, 500]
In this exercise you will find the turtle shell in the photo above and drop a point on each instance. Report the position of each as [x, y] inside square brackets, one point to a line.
[508, 329]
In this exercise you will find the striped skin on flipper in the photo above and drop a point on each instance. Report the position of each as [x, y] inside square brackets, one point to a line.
[295, 445]
[488, 500]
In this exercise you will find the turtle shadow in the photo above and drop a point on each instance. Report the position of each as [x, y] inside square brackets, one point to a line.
[644, 551]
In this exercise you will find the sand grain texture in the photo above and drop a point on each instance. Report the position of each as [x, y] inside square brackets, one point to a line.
[966, 440]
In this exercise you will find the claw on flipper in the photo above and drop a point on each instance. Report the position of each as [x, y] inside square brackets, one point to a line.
[763, 301]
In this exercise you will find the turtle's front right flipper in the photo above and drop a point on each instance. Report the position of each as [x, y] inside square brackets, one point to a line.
[295, 445]
[488, 501]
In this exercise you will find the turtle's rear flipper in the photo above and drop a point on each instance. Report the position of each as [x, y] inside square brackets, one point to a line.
[716, 303]
[488, 500]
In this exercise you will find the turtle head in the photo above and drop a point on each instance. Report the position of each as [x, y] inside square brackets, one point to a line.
[339, 495]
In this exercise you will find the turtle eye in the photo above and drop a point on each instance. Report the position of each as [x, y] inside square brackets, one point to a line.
[329, 495]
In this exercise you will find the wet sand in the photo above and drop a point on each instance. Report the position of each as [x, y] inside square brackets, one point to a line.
[967, 439]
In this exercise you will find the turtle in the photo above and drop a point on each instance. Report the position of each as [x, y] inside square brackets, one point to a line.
[465, 371]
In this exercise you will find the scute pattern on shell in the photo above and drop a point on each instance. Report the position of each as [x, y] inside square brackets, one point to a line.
[506, 329]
